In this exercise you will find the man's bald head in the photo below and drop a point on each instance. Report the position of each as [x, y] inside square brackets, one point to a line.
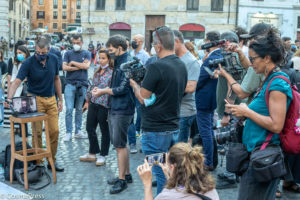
[138, 38]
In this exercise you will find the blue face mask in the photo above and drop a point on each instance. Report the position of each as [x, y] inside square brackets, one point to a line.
[20, 57]
[40, 57]
[150, 101]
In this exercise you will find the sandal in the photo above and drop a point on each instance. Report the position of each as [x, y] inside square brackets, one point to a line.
[292, 187]
[278, 193]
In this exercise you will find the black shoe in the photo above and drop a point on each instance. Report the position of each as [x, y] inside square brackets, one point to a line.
[118, 187]
[154, 183]
[57, 167]
[113, 181]
[226, 184]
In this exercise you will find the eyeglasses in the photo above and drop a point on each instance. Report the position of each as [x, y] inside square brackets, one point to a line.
[41, 53]
[252, 59]
[158, 28]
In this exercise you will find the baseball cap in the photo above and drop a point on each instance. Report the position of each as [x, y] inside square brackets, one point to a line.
[257, 29]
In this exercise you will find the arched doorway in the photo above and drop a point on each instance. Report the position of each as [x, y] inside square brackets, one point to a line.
[192, 31]
[120, 28]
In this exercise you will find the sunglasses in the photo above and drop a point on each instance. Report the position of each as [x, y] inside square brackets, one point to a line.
[252, 59]
[156, 31]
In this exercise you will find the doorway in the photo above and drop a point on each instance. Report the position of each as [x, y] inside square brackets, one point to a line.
[152, 21]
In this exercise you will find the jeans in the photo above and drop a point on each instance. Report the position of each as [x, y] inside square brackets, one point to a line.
[97, 114]
[1, 105]
[73, 95]
[157, 142]
[138, 115]
[131, 134]
[205, 126]
[185, 127]
[251, 189]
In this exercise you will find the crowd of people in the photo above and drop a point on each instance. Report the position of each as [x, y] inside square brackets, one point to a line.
[181, 97]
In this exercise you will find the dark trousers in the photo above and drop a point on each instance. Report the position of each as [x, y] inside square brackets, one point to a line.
[97, 114]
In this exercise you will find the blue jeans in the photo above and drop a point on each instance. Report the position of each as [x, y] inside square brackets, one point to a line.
[185, 128]
[157, 142]
[205, 126]
[1, 105]
[138, 115]
[131, 134]
[74, 96]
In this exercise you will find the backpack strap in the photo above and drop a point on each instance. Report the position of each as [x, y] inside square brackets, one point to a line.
[203, 197]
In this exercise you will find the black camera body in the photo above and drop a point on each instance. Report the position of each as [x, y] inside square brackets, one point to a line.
[134, 70]
[228, 134]
[230, 62]
[89, 91]
[213, 44]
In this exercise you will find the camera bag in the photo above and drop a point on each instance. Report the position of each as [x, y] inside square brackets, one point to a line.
[267, 161]
[237, 158]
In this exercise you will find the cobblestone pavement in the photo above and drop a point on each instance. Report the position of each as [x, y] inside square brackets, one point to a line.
[85, 181]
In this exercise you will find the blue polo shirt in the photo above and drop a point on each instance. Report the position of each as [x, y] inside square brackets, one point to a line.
[79, 75]
[40, 78]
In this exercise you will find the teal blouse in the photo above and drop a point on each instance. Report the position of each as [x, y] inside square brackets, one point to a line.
[253, 134]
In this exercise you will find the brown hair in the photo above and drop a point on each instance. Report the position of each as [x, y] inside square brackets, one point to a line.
[191, 48]
[1, 58]
[110, 61]
[189, 171]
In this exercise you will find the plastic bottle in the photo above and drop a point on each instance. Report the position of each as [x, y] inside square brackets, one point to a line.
[1, 173]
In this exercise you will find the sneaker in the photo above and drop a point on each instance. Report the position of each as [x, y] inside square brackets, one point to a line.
[226, 184]
[88, 158]
[100, 160]
[80, 135]
[118, 187]
[112, 181]
[133, 149]
[138, 133]
[68, 137]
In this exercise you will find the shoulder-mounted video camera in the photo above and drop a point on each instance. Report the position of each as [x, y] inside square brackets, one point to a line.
[134, 70]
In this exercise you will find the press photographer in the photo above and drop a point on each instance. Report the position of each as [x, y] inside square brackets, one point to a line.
[164, 85]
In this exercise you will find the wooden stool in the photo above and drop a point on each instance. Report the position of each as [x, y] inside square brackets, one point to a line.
[38, 153]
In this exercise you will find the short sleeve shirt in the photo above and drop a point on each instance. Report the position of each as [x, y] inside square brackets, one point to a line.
[253, 134]
[40, 78]
[79, 75]
[188, 105]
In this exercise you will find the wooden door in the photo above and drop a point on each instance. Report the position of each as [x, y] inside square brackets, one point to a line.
[152, 21]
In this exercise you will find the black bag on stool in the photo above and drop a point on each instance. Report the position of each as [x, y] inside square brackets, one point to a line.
[237, 158]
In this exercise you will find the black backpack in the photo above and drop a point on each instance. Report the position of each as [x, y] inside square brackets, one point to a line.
[18, 164]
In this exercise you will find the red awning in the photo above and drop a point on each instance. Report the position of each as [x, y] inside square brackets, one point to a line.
[119, 26]
[191, 27]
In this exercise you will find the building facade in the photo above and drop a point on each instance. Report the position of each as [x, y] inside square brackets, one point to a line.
[103, 18]
[282, 14]
[4, 19]
[55, 15]
[19, 19]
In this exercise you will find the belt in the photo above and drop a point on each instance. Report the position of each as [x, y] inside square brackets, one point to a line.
[31, 94]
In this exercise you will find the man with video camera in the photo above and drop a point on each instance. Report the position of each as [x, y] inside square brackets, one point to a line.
[165, 79]
[120, 116]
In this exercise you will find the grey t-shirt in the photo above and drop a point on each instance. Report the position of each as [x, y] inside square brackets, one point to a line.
[251, 82]
[188, 105]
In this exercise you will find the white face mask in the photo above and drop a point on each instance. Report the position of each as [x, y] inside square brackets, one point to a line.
[76, 47]
[104, 67]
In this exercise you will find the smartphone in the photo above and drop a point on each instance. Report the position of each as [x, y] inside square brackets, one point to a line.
[155, 159]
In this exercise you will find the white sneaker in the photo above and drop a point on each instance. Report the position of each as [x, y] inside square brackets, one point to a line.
[88, 158]
[68, 137]
[133, 149]
[80, 135]
[100, 160]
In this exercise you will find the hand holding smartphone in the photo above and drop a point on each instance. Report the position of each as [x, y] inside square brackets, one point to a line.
[155, 159]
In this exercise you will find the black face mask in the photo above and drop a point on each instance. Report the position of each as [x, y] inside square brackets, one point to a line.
[134, 45]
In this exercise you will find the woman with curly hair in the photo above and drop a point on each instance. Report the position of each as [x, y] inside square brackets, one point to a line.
[186, 176]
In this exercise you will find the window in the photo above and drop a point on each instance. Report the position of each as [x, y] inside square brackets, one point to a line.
[120, 4]
[64, 15]
[54, 14]
[78, 4]
[100, 5]
[78, 15]
[20, 30]
[41, 2]
[28, 14]
[298, 26]
[11, 4]
[192, 4]
[217, 5]
[64, 26]
[40, 15]
[41, 25]
[54, 4]
[64, 4]
[54, 25]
